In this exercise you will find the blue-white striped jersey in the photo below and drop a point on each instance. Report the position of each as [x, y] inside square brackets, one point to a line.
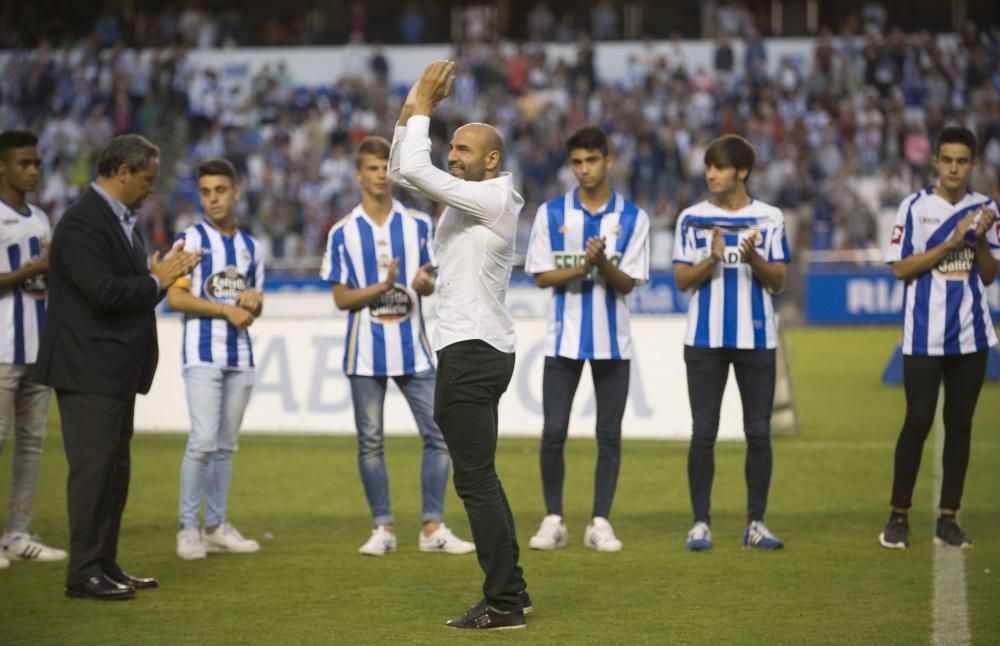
[22, 309]
[387, 337]
[945, 310]
[732, 308]
[587, 318]
[229, 265]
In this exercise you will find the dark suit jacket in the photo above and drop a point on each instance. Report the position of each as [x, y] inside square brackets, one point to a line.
[100, 331]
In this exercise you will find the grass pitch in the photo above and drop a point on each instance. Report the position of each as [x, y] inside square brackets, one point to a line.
[829, 495]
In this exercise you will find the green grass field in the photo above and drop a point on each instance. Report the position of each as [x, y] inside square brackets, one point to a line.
[832, 585]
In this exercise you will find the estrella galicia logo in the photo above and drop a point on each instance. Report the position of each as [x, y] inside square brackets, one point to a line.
[36, 287]
[957, 264]
[570, 259]
[394, 306]
[226, 284]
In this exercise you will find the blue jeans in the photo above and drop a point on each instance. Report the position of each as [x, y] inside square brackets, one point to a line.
[368, 394]
[24, 406]
[216, 400]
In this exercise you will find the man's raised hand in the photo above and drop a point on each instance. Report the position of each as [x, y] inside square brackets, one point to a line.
[433, 86]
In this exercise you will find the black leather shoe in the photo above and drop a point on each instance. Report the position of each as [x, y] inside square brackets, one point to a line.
[100, 588]
[136, 582]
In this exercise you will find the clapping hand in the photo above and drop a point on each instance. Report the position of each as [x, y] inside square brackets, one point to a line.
[748, 246]
[594, 255]
[174, 265]
[987, 217]
[718, 243]
[957, 238]
[40, 263]
[391, 274]
[423, 281]
[433, 86]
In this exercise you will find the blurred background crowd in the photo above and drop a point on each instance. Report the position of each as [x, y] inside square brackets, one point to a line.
[840, 140]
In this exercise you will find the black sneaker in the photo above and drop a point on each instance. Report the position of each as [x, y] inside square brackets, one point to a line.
[526, 606]
[483, 617]
[949, 533]
[896, 535]
[525, 602]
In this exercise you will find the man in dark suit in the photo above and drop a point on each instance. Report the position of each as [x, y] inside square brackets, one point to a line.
[99, 349]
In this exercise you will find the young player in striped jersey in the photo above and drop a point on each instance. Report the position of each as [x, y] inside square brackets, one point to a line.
[946, 245]
[220, 299]
[379, 263]
[592, 247]
[730, 251]
[24, 404]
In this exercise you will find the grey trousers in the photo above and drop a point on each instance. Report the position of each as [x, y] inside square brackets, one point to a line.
[24, 406]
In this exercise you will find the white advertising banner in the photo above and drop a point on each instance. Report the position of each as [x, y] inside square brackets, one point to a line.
[300, 386]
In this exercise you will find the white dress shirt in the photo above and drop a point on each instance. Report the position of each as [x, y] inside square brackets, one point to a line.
[474, 244]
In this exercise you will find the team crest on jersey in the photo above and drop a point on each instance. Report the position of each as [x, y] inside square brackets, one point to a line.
[394, 306]
[226, 284]
[36, 287]
[897, 234]
[245, 255]
[564, 228]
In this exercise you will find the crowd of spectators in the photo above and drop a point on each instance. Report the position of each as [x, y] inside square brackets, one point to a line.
[221, 23]
[838, 141]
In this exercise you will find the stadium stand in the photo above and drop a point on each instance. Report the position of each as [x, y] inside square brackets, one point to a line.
[838, 141]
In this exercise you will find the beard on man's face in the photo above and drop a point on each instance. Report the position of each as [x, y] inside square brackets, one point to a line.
[468, 172]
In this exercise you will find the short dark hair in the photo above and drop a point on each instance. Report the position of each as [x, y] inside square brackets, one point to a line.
[956, 135]
[11, 139]
[217, 166]
[372, 145]
[588, 138]
[134, 151]
[731, 151]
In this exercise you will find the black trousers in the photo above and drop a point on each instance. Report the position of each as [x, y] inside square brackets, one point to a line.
[96, 432]
[559, 382]
[707, 372]
[963, 377]
[471, 377]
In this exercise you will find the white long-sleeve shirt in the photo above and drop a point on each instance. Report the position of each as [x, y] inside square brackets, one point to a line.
[474, 244]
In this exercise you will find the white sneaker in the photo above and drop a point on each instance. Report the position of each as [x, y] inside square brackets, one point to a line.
[601, 536]
[758, 535]
[550, 535]
[21, 547]
[189, 545]
[227, 538]
[443, 540]
[380, 542]
[699, 538]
